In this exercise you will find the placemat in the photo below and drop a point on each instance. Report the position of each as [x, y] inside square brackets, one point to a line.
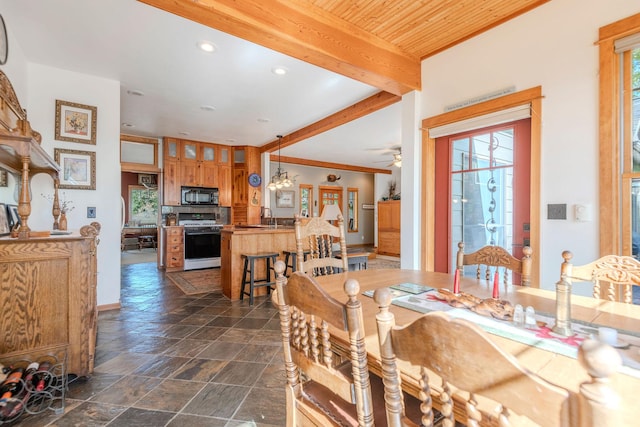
[423, 299]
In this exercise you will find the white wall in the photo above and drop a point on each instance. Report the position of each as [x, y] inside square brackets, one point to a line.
[37, 88]
[46, 84]
[315, 176]
[552, 47]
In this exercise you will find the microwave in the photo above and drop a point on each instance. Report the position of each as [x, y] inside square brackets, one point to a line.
[199, 196]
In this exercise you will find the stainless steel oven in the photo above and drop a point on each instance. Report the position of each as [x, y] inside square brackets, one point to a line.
[201, 244]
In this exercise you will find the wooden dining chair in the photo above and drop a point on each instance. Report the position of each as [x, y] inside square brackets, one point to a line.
[612, 276]
[320, 391]
[496, 256]
[317, 236]
[480, 383]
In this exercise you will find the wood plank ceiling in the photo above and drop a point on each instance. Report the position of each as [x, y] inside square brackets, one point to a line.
[380, 43]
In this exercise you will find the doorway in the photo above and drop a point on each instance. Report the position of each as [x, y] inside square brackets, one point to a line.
[482, 191]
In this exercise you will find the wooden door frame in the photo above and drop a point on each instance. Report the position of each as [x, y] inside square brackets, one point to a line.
[330, 188]
[531, 96]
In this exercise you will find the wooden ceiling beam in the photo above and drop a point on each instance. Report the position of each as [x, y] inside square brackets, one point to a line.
[309, 34]
[353, 112]
[326, 165]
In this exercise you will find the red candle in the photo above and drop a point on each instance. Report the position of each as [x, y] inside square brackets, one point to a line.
[456, 282]
[496, 290]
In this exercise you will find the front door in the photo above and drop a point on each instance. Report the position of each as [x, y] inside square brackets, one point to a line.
[482, 191]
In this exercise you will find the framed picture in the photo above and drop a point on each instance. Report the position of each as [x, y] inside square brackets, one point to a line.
[12, 216]
[4, 178]
[284, 198]
[4, 221]
[76, 122]
[78, 169]
[146, 179]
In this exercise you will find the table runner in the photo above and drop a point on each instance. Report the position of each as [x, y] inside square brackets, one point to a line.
[423, 299]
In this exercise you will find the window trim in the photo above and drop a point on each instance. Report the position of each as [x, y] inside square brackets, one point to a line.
[613, 222]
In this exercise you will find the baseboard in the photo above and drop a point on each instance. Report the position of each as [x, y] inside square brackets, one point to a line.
[106, 307]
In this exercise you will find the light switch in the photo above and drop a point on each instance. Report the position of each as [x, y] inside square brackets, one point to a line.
[582, 212]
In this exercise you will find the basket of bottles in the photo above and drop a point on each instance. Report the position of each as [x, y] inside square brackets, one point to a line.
[32, 384]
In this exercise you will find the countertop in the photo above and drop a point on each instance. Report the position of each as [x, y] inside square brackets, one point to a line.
[257, 229]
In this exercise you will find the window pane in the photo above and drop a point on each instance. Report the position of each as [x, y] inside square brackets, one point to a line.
[503, 150]
[460, 155]
[143, 205]
[480, 156]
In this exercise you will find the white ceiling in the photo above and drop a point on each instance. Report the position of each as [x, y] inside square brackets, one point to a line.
[155, 52]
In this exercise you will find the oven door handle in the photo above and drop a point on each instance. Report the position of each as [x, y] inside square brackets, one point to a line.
[199, 233]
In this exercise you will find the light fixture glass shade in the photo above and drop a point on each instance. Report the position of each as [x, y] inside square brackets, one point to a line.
[280, 178]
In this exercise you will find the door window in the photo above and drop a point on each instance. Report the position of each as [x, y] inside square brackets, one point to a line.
[486, 172]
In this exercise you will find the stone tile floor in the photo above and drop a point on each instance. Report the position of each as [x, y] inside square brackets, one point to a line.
[167, 359]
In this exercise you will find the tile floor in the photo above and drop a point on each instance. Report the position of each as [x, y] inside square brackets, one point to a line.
[167, 359]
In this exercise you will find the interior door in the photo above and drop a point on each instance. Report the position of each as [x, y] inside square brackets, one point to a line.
[330, 195]
[482, 191]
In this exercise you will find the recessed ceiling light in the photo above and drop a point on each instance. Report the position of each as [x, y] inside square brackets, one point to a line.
[264, 120]
[280, 71]
[128, 125]
[207, 107]
[135, 92]
[206, 46]
[184, 133]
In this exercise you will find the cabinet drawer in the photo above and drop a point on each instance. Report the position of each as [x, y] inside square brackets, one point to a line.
[389, 243]
[175, 261]
[174, 240]
[175, 249]
[174, 231]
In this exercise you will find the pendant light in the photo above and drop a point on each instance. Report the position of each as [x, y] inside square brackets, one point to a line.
[281, 178]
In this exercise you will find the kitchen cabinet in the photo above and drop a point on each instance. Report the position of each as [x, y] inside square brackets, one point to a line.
[173, 241]
[198, 164]
[171, 175]
[389, 227]
[246, 199]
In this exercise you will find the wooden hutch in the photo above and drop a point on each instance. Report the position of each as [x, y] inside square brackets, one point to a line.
[47, 280]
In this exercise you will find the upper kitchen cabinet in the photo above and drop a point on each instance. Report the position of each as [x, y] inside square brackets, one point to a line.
[138, 154]
[198, 164]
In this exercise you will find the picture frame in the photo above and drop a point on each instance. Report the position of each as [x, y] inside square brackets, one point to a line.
[12, 216]
[285, 198]
[76, 122]
[78, 169]
[146, 179]
[4, 178]
[4, 221]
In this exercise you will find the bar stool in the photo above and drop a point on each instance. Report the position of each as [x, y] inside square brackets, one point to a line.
[249, 267]
[290, 258]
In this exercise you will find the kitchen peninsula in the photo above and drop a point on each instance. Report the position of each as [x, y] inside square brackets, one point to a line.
[237, 240]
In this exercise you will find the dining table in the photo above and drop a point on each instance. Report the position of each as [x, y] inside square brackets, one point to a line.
[555, 367]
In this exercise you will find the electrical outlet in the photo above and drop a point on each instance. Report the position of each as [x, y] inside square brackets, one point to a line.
[91, 212]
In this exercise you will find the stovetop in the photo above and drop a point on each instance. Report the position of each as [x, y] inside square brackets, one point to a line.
[199, 223]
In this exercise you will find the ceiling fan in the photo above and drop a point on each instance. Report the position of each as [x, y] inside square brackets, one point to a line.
[397, 156]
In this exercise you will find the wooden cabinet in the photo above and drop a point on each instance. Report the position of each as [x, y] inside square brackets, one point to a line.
[173, 240]
[47, 284]
[389, 227]
[246, 199]
[196, 164]
[48, 297]
[171, 175]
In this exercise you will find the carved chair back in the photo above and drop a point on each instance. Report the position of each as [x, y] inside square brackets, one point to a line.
[317, 236]
[474, 368]
[612, 276]
[496, 256]
[319, 390]
[477, 381]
